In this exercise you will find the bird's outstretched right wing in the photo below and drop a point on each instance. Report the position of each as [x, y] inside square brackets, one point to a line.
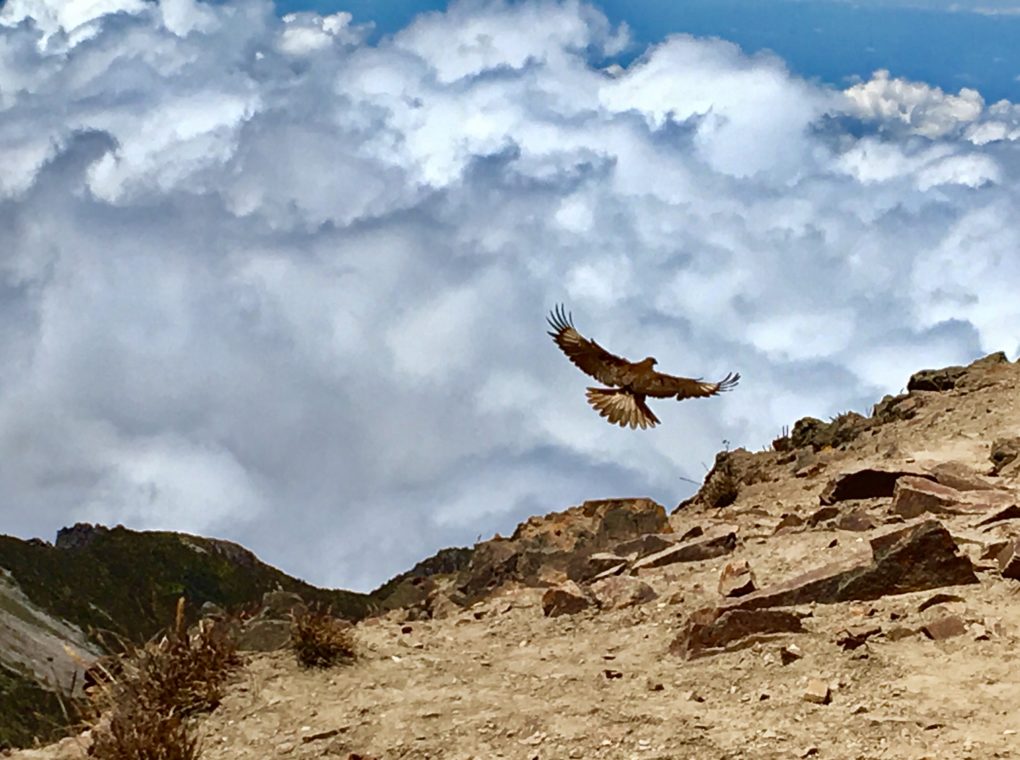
[586, 354]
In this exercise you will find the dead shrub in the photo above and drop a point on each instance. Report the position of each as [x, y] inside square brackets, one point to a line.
[722, 486]
[320, 640]
[140, 707]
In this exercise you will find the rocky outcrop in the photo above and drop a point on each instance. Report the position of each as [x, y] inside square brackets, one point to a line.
[561, 541]
[913, 558]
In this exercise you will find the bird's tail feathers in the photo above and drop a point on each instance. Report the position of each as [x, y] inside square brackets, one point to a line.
[622, 407]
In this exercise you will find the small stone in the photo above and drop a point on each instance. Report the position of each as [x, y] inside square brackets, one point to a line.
[855, 636]
[736, 579]
[654, 685]
[693, 696]
[945, 627]
[939, 598]
[790, 653]
[612, 674]
[899, 632]
[817, 692]
[856, 521]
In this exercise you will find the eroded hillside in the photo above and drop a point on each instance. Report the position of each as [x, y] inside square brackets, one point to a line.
[851, 592]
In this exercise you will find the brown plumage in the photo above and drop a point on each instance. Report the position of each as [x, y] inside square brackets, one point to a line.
[624, 404]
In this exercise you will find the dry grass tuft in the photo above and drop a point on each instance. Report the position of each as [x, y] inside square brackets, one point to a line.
[321, 640]
[140, 707]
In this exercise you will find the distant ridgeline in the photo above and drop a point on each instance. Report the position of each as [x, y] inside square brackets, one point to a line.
[128, 582]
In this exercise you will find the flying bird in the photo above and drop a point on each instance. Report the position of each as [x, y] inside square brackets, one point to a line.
[631, 383]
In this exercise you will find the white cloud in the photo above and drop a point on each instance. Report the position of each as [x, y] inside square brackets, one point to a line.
[263, 279]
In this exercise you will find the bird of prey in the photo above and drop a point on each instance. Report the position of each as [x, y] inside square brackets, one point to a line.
[631, 383]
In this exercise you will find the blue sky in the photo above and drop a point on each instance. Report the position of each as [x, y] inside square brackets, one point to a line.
[275, 279]
[829, 39]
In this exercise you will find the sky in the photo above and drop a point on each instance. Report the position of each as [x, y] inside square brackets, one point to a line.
[281, 277]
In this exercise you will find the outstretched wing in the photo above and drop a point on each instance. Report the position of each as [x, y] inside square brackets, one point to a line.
[659, 385]
[586, 354]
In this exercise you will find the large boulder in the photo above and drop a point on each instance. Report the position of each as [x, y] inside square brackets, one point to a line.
[914, 558]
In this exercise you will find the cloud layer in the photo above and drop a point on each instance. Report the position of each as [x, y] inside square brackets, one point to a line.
[263, 280]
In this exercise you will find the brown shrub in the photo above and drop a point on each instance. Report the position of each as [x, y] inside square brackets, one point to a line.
[320, 640]
[140, 706]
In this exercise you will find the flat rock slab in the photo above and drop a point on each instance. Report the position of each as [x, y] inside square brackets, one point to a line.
[650, 543]
[960, 476]
[691, 551]
[913, 558]
[714, 630]
[914, 496]
[867, 483]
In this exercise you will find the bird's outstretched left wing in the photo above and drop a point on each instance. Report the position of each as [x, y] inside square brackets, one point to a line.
[586, 354]
[661, 385]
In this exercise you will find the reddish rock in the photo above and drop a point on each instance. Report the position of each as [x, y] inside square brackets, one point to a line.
[944, 627]
[913, 558]
[856, 520]
[1009, 560]
[736, 579]
[939, 598]
[823, 514]
[868, 483]
[642, 546]
[565, 599]
[691, 551]
[914, 496]
[621, 591]
[960, 476]
[696, 532]
[1012, 512]
[713, 630]
[789, 522]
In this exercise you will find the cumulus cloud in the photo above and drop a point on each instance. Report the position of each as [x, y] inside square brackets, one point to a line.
[263, 279]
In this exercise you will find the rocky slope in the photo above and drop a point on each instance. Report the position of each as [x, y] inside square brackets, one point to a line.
[852, 592]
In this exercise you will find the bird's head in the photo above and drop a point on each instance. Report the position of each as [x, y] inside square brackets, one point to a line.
[651, 361]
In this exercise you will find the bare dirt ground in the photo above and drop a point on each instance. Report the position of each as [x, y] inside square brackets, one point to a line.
[501, 680]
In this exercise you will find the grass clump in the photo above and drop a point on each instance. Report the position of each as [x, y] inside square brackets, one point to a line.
[141, 703]
[320, 640]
